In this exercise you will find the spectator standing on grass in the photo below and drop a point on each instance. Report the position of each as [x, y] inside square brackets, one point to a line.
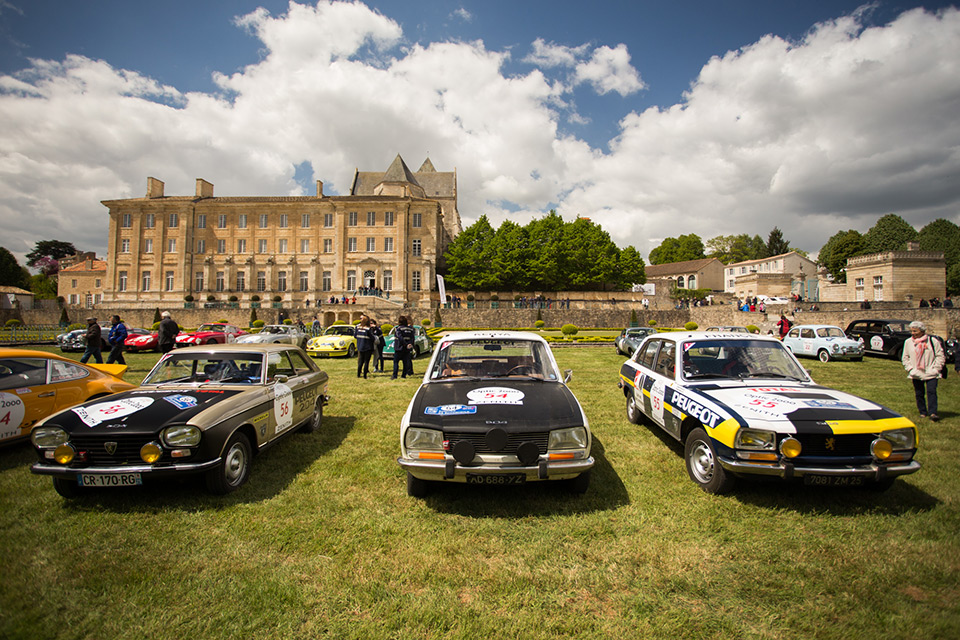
[365, 343]
[403, 338]
[377, 346]
[167, 333]
[93, 338]
[116, 337]
[923, 358]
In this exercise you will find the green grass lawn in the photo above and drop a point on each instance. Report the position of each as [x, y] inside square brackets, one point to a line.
[324, 542]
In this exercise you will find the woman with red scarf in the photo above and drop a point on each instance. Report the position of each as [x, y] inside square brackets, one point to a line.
[923, 358]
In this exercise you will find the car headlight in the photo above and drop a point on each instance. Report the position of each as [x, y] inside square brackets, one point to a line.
[574, 438]
[836, 348]
[757, 439]
[342, 343]
[180, 436]
[48, 437]
[424, 439]
[901, 438]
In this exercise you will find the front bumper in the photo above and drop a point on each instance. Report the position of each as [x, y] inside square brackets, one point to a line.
[449, 470]
[159, 471]
[788, 471]
[327, 353]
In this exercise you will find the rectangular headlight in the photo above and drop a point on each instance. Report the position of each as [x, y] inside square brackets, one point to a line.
[901, 438]
[756, 439]
[181, 436]
[574, 438]
[423, 439]
[48, 437]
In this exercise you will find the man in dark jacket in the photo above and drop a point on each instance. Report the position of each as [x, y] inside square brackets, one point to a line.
[167, 333]
[116, 338]
[365, 345]
[92, 337]
[403, 338]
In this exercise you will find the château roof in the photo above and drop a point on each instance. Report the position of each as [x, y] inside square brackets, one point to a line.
[435, 184]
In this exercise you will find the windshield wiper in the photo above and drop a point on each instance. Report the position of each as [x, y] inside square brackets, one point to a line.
[694, 376]
[770, 374]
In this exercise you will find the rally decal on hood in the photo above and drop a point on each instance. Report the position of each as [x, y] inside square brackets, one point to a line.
[102, 411]
[495, 395]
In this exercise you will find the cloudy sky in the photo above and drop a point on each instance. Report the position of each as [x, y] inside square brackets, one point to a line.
[652, 118]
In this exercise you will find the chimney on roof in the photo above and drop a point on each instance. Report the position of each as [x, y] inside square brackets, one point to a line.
[154, 188]
[204, 188]
[319, 188]
[913, 246]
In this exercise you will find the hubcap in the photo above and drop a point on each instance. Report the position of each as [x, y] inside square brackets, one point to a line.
[234, 464]
[701, 462]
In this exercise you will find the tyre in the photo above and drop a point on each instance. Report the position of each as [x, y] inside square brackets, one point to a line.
[211, 341]
[234, 466]
[66, 488]
[824, 355]
[416, 352]
[580, 484]
[703, 466]
[352, 351]
[633, 411]
[416, 487]
[860, 359]
[315, 420]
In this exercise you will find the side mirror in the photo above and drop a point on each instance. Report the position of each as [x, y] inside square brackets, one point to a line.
[279, 378]
[567, 375]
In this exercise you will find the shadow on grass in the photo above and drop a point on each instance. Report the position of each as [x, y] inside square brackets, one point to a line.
[606, 491]
[270, 473]
[773, 493]
[17, 454]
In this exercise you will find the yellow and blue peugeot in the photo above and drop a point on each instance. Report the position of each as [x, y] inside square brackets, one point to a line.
[742, 406]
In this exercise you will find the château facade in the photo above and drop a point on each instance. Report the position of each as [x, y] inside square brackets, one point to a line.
[389, 233]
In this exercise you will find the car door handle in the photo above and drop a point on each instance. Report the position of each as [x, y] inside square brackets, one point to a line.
[46, 395]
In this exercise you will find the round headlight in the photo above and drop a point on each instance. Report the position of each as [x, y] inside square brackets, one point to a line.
[64, 453]
[790, 447]
[881, 448]
[181, 436]
[150, 452]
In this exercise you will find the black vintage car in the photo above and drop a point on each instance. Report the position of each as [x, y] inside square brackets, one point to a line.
[494, 410]
[880, 337]
[201, 410]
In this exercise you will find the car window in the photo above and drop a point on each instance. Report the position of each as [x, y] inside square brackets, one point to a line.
[793, 333]
[830, 332]
[299, 363]
[22, 372]
[493, 358]
[204, 368]
[806, 333]
[63, 371]
[666, 360]
[646, 356]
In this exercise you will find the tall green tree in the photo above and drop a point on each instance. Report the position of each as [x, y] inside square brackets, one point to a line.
[548, 264]
[776, 245]
[680, 249]
[470, 257]
[45, 251]
[941, 235]
[737, 248]
[12, 274]
[43, 286]
[841, 246]
[592, 257]
[630, 269]
[890, 233]
[511, 256]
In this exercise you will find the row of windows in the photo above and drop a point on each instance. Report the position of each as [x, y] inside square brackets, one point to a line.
[74, 283]
[240, 282]
[89, 299]
[282, 245]
[353, 218]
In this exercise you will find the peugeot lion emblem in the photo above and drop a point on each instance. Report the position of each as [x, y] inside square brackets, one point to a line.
[111, 447]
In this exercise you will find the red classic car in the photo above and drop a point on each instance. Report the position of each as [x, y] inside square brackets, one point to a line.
[141, 340]
[210, 333]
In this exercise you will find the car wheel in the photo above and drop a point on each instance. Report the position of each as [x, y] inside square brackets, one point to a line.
[234, 466]
[580, 484]
[633, 411]
[860, 359]
[211, 341]
[416, 352]
[315, 420]
[703, 466]
[351, 351]
[417, 488]
[824, 355]
[66, 488]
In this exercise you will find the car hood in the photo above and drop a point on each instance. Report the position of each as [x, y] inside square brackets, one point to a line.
[140, 410]
[515, 406]
[802, 406]
[256, 337]
[330, 339]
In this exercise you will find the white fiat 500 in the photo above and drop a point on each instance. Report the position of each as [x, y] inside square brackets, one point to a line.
[742, 406]
[494, 409]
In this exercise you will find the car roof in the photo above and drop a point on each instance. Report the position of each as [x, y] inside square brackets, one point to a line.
[246, 347]
[493, 335]
[13, 352]
[816, 326]
[678, 336]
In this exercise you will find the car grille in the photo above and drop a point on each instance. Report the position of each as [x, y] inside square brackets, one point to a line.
[127, 452]
[514, 440]
[835, 449]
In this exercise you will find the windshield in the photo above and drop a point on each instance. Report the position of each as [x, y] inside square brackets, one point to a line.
[737, 359]
[339, 330]
[218, 328]
[831, 332]
[493, 358]
[240, 368]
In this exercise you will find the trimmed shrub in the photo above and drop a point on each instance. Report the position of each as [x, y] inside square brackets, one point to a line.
[386, 328]
[154, 327]
[64, 318]
[188, 298]
[13, 322]
[76, 325]
[752, 328]
[287, 321]
[253, 317]
[494, 297]
[257, 324]
[470, 297]
[277, 298]
[691, 326]
[633, 317]
[211, 297]
[255, 298]
[425, 322]
[569, 329]
[539, 324]
[652, 323]
[339, 322]
[233, 298]
[156, 315]
[224, 321]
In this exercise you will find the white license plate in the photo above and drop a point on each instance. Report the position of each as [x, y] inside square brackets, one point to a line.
[109, 480]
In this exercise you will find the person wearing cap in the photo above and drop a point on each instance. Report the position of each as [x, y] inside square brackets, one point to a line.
[116, 338]
[93, 338]
[923, 357]
[167, 333]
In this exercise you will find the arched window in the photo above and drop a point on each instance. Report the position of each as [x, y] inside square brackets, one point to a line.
[691, 282]
[680, 282]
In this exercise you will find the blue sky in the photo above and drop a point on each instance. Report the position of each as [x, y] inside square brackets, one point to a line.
[652, 118]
